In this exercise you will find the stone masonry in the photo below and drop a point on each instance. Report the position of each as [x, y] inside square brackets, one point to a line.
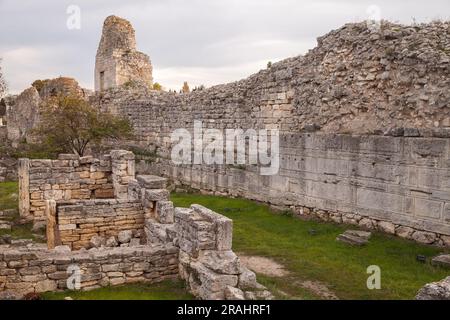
[136, 236]
[117, 61]
[364, 129]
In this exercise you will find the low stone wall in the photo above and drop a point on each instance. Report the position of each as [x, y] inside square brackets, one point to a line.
[72, 178]
[27, 270]
[78, 223]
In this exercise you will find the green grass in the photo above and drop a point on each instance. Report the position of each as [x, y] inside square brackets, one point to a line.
[166, 290]
[9, 200]
[9, 193]
[286, 239]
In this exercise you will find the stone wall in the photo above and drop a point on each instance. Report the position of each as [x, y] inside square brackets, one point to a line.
[72, 178]
[201, 237]
[77, 224]
[35, 269]
[397, 185]
[381, 91]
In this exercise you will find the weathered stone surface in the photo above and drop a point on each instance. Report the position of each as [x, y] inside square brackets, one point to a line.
[152, 182]
[354, 237]
[441, 260]
[386, 227]
[165, 212]
[232, 293]
[226, 262]
[435, 291]
[423, 237]
[125, 236]
[111, 242]
[247, 279]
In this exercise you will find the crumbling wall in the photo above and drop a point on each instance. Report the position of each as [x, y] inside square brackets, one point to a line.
[117, 61]
[36, 269]
[386, 94]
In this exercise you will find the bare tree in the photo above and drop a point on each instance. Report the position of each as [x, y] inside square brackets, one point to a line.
[3, 86]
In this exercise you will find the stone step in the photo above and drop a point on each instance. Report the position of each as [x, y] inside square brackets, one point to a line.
[442, 261]
[352, 240]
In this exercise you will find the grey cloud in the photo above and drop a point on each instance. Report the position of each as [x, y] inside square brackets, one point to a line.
[188, 35]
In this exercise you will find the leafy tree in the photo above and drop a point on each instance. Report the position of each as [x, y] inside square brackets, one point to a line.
[70, 124]
[186, 88]
[157, 86]
[3, 86]
[269, 64]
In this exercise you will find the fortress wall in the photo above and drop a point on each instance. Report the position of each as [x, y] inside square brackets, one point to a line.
[364, 121]
[400, 182]
[397, 185]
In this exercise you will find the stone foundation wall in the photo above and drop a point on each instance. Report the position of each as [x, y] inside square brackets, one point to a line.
[27, 270]
[78, 223]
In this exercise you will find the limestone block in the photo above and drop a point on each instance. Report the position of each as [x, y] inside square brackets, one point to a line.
[156, 195]
[232, 293]
[424, 237]
[152, 182]
[125, 236]
[247, 279]
[386, 227]
[165, 212]
[223, 262]
[441, 260]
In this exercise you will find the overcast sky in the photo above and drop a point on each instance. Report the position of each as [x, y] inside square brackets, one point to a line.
[200, 41]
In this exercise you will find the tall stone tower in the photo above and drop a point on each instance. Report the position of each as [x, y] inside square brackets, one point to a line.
[117, 60]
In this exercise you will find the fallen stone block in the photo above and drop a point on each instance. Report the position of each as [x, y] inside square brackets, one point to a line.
[353, 238]
[442, 261]
[152, 182]
[435, 291]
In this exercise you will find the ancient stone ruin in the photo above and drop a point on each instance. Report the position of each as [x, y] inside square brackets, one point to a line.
[364, 123]
[117, 61]
[115, 228]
